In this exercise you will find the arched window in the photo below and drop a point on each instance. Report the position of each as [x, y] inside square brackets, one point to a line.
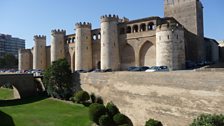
[142, 27]
[94, 36]
[128, 29]
[99, 36]
[73, 40]
[135, 28]
[122, 31]
[151, 26]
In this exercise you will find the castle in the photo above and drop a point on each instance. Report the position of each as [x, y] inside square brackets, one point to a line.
[121, 43]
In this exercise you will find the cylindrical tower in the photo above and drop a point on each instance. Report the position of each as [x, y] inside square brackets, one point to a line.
[109, 43]
[39, 52]
[57, 44]
[170, 46]
[83, 47]
[25, 59]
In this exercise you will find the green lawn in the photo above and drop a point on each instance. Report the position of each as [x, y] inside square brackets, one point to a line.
[6, 93]
[44, 112]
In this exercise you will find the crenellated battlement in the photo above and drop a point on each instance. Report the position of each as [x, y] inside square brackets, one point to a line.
[169, 26]
[24, 51]
[83, 25]
[107, 18]
[39, 37]
[175, 2]
[58, 31]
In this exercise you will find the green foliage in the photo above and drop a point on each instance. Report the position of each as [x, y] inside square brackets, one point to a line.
[81, 97]
[96, 111]
[92, 97]
[120, 119]
[112, 109]
[8, 61]
[208, 120]
[105, 120]
[152, 122]
[99, 100]
[58, 79]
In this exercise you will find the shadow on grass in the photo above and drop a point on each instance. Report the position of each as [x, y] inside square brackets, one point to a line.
[23, 101]
[6, 120]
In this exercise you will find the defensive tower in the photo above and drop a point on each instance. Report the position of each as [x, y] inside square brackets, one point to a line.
[170, 46]
[39, 52]
[109, 43]
[57, 44]
[25, 59]
[188, 12]
[83, 47]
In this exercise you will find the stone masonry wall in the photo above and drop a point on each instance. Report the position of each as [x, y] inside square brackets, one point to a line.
[175, 98]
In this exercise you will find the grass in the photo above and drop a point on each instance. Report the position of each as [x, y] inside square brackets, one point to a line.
[43, 112]
[6, 93]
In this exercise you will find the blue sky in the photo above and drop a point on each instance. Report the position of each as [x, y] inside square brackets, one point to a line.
[26, 18]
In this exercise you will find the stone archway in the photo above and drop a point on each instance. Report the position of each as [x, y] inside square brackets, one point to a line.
[22, 83]
[148, 54]
[127, 57]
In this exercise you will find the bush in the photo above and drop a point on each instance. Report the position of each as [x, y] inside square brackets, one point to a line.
[93, 97]
[58, 80]
[99, 100]
[105, 120]
[112, 109]
[152, 122]
[208, 120]
[96, 111]
[81, 97]
[120, 119]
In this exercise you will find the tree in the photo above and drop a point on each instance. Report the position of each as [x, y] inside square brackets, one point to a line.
[8, 61]
[58, 80]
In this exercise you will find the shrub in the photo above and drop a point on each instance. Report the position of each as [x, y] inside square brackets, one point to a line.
[99, 100]
[81, 97]
[105, 120]
[208, 120]
[96, 111]
[152, 122]
[93, 97]
[58, 80]
[120, 119]
[112, 109]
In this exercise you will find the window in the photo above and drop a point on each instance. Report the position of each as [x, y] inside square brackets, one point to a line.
[135, 28]
[99, 36]
[142, 27]
[94, 36]
[151, 26]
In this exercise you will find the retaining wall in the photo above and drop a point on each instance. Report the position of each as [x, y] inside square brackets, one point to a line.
[174, 98]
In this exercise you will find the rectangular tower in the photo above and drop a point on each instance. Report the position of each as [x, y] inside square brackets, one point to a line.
[188, 12]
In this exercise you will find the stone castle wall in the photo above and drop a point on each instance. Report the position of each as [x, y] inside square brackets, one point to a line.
[175, 98]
